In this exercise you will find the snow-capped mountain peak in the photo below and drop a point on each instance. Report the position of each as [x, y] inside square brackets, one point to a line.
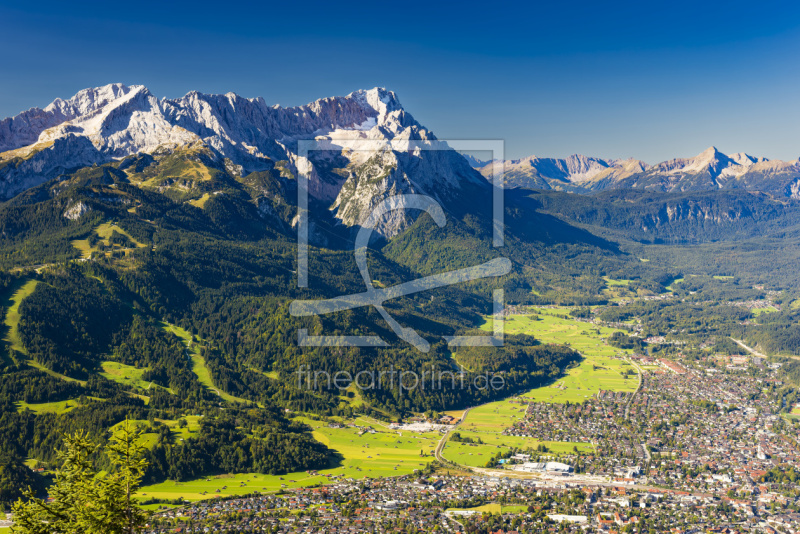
[378, 98]
[243, 135]
[710, 169]
[121, 120]
[709, 159]
[92, 99]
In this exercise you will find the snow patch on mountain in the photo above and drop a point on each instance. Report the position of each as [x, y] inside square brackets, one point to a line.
[244, 135]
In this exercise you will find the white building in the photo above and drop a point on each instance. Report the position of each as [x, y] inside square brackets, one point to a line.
[568, 518]
[558, 467]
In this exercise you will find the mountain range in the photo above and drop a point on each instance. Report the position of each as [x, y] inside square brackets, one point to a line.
[135, 130]
[710, 170]
[238, 136]
[237, 159]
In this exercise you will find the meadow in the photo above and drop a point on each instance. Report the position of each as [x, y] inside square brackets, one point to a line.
[617, 290]
[179, 433]
[56, 407]
[768, 309]
[602, 367]
[104, 231]
[671, 286]
[493, 508]
[128, 375]
[377, 453]
[200, 202]
[476, 455]
[494, 416]
[198, 362]
[19, 293]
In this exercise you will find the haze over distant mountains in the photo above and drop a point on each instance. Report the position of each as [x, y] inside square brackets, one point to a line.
[709, 170]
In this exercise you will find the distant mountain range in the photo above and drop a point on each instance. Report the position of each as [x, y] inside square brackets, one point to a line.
[709, 170]
[177, 144]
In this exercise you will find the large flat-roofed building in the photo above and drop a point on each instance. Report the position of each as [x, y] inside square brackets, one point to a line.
[558, 466]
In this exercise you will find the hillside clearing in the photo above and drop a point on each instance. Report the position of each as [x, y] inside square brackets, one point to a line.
[22, 290]
[370, 450]
[198, 362]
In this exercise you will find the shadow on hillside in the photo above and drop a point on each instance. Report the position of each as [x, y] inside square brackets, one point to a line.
[525, 222]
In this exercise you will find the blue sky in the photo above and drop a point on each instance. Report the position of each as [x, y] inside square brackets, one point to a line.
[622, 79]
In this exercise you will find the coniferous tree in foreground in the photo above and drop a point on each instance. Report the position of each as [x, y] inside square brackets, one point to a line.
[84, 501]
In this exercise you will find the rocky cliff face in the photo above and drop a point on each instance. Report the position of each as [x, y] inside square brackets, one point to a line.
[680, 217]
[244, 135]
[25, 129]
[550, 173]
[24, 168]
[710, 170]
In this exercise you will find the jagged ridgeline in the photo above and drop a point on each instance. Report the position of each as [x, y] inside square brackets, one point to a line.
[710, 170]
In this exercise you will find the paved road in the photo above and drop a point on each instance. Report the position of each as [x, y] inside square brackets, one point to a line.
[752, 351]
[440, 445]
[456, 521]
[630, 401]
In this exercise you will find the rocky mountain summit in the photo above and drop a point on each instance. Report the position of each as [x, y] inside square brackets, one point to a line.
[241, 136]
[710, 170]
[536, 172]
